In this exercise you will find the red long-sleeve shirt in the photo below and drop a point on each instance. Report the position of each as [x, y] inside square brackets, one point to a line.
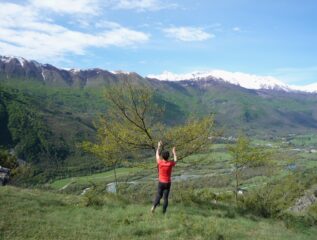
[165, 170]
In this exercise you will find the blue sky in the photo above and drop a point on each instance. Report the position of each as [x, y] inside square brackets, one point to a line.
[276, 38]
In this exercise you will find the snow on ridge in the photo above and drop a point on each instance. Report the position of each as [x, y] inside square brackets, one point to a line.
[311, 88]
[21, 60]
[120, 72]
[74, 70]
[245, 80]
[43, 75]
[249, 81]
[7, 59]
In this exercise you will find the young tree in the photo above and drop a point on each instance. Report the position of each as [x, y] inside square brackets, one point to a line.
[245, 156]
[7, 160]
[134, 124]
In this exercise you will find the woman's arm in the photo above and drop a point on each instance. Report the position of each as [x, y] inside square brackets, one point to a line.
[158, 157]
[174, 153]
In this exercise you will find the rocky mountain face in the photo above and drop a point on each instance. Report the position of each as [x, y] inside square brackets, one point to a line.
[20, 68]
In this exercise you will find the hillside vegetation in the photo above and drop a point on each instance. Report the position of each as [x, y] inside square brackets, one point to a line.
[45, 124]
[35, 214]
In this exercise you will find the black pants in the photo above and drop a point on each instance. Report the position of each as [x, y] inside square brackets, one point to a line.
[163, 190]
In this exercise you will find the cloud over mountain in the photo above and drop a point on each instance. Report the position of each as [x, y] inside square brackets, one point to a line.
[26, 31]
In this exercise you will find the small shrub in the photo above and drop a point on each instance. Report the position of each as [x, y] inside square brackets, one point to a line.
[230, 213]
[312, 213]
[93, 198]
[225, 197]
[203, 196]
[142, 232]
[297, 221]
[220, 237]
[273, 199]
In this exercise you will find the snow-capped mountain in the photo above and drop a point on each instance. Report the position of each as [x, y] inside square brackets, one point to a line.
[22, 68]
[311, 88]
[249, 81]
[7, 59]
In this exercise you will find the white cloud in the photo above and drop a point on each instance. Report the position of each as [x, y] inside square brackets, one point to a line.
[106, 24]
[188, 34]
[68, 6]
[94, 7]
[236, 29]
[142, 5]
[120, 37]
[24, 32]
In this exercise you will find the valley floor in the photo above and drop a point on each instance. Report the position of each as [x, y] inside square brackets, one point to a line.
[37, 214]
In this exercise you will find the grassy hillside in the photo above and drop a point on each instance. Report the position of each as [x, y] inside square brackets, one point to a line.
[35, 214]
[94, 178]
[259, 113]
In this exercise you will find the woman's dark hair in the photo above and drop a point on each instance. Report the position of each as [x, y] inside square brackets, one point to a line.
[165, 155]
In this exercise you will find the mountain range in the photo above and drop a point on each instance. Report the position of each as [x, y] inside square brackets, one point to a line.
[18, 67]
[48, 74]
[245, 80]
[46, 111]
[252, 102]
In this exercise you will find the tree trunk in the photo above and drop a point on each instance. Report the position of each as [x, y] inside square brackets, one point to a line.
[237, 185]
[115, 177]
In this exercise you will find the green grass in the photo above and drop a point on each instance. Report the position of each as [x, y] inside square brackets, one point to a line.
[34, 214]
[94, 178]
[305, 140]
